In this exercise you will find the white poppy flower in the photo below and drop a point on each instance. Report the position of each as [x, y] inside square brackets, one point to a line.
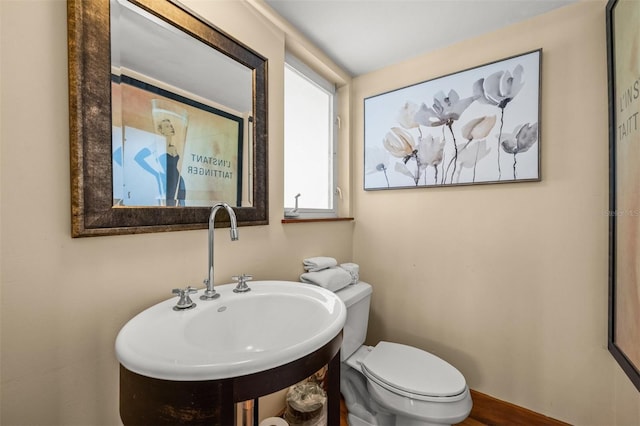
[478, 128]
[430, 151]
[398, 142]
[475, 152]
[401, 168]
[406, 115]
[377, 160]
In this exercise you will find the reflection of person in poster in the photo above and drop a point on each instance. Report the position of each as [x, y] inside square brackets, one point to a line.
[164, 167]
[175, 183]
[170, 120]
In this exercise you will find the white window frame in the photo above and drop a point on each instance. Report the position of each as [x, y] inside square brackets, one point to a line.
[294, 64]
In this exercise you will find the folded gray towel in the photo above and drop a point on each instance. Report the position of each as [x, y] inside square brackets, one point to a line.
[333, 279]
[314, 264]
[353, 269]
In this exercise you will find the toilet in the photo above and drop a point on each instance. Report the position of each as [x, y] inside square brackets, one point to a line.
[391, 384]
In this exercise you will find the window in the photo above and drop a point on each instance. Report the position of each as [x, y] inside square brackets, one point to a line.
[309, 142]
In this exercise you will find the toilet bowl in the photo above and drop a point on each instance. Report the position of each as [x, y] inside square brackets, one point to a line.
[405, 386]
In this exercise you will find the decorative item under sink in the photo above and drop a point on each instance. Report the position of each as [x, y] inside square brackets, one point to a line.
[306, 404]
[470, 127]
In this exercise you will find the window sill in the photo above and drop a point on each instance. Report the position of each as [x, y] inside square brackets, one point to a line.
[319, 219]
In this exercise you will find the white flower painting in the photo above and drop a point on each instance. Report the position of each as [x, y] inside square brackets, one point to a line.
[475, 126]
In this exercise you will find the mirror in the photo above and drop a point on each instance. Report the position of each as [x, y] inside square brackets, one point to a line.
[179, 132]
[169, 121]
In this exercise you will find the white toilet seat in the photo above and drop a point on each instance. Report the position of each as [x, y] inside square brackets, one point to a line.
[409, 411]
[413, 373]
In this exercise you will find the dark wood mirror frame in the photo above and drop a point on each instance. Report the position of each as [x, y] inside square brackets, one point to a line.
[92, 210]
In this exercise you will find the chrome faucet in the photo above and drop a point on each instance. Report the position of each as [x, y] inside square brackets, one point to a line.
[210, 292]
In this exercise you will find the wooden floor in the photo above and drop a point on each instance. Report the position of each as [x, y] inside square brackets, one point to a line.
[343, 413]
[489, 411]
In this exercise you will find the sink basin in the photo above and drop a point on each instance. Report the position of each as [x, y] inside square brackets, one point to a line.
[237, 334]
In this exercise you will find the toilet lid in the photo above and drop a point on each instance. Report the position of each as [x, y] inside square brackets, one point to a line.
[407, 370]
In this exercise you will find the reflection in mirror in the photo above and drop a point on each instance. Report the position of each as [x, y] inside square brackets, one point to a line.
[182, 115]
[168, 127]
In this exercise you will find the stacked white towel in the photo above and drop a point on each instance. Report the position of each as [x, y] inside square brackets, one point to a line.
[325, 272]
[333, 278]
[315, 264]
[353, 269]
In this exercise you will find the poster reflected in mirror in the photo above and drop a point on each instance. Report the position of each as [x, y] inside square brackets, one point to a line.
[171, 150]
[623, 53]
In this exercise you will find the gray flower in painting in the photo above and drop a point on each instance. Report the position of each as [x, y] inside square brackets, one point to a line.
[406, 115]
[444, 111]
[377, 161]
[499, 88]
[523, 137]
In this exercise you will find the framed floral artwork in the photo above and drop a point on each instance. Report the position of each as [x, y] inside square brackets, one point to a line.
[477, 126]
[623, 41]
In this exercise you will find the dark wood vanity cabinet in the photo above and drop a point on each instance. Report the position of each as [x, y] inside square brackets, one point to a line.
[150, 401]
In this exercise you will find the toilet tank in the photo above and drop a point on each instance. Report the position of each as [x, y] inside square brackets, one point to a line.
[357, 299]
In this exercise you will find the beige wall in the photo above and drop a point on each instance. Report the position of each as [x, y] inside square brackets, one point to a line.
[64, 299]
[508, 282]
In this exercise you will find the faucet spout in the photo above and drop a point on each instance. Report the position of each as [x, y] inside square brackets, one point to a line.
[210, 293]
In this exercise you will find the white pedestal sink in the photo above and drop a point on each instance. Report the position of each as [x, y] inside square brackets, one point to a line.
[235, 335]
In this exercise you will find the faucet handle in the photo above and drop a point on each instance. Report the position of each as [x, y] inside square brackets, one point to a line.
[242, 286]
[185, 291]
[185, 301]
[242, 278]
